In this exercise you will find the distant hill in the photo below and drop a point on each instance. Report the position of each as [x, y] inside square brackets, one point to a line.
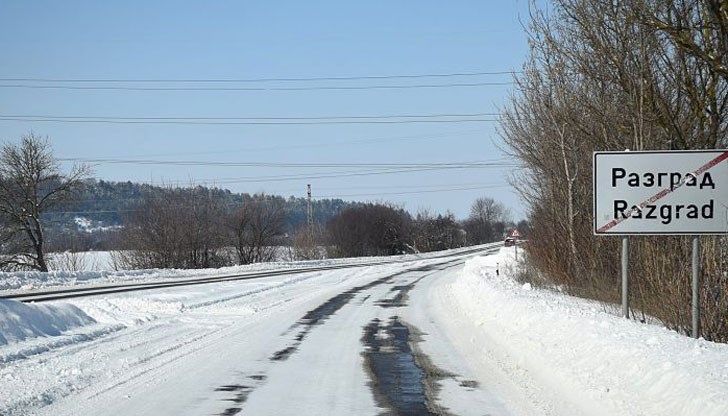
[102, 206]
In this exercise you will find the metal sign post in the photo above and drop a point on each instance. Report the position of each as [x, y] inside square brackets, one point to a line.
[625, 276]
[696, 287]
[678, 192]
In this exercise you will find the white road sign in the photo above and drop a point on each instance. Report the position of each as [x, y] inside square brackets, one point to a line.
[661, 192]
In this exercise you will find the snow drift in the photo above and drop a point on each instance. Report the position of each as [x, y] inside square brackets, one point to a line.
[19, 321]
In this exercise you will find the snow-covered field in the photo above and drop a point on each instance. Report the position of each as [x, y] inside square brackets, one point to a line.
[518, 350]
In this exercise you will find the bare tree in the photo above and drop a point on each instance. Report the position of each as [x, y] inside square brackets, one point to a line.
[431, 233]
[205, 224]
[605, 75]
[72, 261]
[421, 230]
[307, 243]
[255, 226]
[489, 210]
[180, 228]
[370, 230]
[487, 220]
[698, 27]
[31, 182]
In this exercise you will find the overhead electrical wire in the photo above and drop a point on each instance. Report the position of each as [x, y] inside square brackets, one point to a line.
[331, 87]
[263, 120]
[469, 188]
[229, 84]
[364, 141]
[280, 118]
[395, 165]
[242, 80]
[309, 176]
[299, 176]
[364, 169]
[257, 123]
[405, 187]
[325, 83]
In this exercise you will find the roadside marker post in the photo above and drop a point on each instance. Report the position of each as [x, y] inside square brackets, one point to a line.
[515, 235]
[677, 192]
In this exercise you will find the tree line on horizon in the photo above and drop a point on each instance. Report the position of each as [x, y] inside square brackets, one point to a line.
[105, 206]
[198, 227]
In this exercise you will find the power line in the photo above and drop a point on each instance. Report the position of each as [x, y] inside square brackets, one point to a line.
[248, 123]
[279, 118]
[365, 141]
[299, 177]
[391, 165]
[407, 187]
[349, 87]
[242, 80]
[296, 177]
[302, 177]
[263, 120]
[471, 188]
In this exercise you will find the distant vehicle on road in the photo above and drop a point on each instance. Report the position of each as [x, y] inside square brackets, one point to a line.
[509, 242]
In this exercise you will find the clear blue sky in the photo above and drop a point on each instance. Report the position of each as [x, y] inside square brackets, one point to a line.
[46, 45]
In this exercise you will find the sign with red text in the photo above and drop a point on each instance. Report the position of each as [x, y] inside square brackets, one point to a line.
[661, 192]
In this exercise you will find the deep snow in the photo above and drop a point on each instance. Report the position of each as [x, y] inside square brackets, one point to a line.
[538, 350]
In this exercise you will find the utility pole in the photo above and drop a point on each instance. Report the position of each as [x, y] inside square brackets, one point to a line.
[309, 214]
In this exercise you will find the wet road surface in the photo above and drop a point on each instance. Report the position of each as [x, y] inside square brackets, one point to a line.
[397, 378]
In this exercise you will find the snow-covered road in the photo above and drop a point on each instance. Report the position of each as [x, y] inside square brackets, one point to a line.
[420, 337]
[283, 345]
